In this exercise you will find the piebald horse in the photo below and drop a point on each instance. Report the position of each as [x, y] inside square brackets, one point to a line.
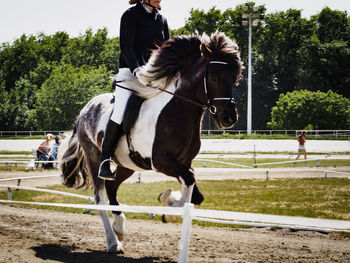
[184, 77]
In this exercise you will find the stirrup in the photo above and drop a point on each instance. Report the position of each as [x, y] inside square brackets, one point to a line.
[99, 170]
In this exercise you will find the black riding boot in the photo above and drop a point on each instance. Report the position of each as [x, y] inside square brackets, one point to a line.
[112, 135]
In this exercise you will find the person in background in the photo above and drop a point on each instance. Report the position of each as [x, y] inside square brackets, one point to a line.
[44, 151]
[55, 146]
[142, 29]
[301, 140]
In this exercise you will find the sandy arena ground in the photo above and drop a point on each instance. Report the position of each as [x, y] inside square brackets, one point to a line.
[31, 235]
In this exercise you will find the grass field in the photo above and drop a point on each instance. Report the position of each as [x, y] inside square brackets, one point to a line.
[250, 162]
[317, 198]
[241, 161]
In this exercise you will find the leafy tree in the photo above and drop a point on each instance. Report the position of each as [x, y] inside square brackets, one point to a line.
[299, 109]
[204, 22]
[23, 95]
[93, 50]
[52, 47]
[332, 25]
[327, 53]
[64, 94]
[18, 59]
[5, 106]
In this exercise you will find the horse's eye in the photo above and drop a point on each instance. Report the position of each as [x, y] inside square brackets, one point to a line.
[214, 78]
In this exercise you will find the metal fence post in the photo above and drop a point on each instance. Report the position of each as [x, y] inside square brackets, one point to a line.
[9, 193]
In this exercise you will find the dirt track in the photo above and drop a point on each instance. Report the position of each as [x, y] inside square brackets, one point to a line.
[31, 235]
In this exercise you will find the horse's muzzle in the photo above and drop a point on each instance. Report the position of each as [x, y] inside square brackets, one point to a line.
[227, 117]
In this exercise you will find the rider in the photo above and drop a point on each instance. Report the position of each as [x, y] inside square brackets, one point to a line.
[142, 28]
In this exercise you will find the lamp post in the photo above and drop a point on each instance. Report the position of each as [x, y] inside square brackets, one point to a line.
[250, 12]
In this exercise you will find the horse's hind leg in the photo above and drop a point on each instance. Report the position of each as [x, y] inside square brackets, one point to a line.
[112, 188]
[92, 156]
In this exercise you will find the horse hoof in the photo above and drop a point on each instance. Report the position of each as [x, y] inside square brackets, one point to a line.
[116, 250]
[169, 218]
[169, 196]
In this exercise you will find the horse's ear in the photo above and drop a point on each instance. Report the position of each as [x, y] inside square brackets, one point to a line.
[205, 50]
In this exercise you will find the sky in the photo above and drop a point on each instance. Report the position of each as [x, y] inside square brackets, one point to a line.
[31, 17]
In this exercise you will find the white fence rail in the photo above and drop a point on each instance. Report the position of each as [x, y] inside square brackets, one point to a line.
[29, 133]
[294, 133]
[311, 133]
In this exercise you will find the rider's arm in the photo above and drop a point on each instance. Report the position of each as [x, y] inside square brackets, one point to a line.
[166, 30]
[127, 39]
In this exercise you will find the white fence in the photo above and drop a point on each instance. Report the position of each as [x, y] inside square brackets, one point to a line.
[311, 133]
[189, 213]
[294, 133]
[29, 133]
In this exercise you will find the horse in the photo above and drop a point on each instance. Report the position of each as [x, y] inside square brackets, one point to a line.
[184, 77]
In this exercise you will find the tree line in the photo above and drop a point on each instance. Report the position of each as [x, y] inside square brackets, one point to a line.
[301, 71]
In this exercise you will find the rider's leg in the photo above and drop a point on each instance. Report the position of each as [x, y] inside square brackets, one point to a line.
[113, 132]
[112, 135]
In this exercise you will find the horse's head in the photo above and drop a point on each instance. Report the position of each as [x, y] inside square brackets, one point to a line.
[222, 71]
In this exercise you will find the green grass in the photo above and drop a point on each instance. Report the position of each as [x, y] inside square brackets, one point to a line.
[240, 161]
[250, 162]
[317, 198]
[269, 137]
[15, 153]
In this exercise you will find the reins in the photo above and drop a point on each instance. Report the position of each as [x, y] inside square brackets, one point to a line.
[209, 106]
[164, 90]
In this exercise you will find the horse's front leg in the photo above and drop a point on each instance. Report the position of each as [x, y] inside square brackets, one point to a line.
[190, 190]
[187, 190]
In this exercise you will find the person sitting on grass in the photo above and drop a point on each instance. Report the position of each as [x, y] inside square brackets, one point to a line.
[44, 152]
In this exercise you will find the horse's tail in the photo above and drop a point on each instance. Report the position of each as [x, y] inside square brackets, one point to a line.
[72, 163]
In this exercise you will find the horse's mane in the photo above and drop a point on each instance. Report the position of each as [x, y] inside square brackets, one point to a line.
[167, 61]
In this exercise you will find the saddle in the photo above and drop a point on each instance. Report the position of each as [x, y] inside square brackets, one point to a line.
[130, 117]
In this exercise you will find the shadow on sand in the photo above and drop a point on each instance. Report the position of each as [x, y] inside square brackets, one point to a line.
[66, 254]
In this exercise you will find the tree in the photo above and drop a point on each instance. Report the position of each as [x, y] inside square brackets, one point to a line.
[327, 54]
[5, 106]
[18, 59]
[299, 109]
[93, 50]
[65, 93]
[204, 22]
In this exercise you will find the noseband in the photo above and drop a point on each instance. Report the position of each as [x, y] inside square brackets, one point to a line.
[209, 106]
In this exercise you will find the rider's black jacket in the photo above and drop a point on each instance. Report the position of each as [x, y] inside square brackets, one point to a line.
[140, 32]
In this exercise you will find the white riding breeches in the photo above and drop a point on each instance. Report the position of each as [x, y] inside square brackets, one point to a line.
[121, 96]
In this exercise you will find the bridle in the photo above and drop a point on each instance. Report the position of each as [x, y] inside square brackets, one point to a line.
[209, 101]
[210, 106]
